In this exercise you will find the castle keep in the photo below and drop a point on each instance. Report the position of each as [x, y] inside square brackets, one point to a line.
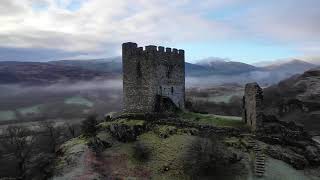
[151, 75]
[252, 106]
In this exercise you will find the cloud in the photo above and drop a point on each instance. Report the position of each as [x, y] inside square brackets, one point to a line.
[212, 59]
[9, 8]
[288, 22]
[312, 59]
[33, 54]
[98, 27]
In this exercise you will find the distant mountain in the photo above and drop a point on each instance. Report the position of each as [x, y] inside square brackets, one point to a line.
[197, 70]
[44, 73]
[108, 65]
[280, 71]
[114, 65]
[224, 67]
[292, 66]
[213, 70]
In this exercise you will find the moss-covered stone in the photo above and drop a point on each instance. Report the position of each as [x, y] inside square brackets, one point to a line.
[69, 152]
[70, 145]
[188, 131]
[104, 125]
[130, 122]
[134, 116]
[165, 131]
[97, 145]
[126, 130]
[127, 122]
[109, 116]
[233, 142]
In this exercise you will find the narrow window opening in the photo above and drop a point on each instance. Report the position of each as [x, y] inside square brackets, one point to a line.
[171, 90]
[139, 73]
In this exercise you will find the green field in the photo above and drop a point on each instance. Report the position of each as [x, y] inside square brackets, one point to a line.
[78, 100]
[225, 98]
[7, 115]
[31, 110]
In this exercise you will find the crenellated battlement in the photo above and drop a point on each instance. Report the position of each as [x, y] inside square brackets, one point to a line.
[130, 46]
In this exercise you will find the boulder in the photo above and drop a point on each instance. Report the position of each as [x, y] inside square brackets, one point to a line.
[127, 130]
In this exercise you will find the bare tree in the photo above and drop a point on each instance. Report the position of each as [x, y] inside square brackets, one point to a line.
[51, 132]
[20, 142]
[71, 128]
[89, 126]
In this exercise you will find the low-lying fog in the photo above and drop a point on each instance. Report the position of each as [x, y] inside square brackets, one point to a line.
[12, 90]
[264, 78]
[61, 100]
[72, 100]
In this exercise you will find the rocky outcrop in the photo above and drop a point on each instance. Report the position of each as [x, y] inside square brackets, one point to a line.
[296, 99]
[312, 153]
[203, 129]
[97, 145]
[127, 130]
[284, 133]
[38, 73]
[288, 156]
[293, 144]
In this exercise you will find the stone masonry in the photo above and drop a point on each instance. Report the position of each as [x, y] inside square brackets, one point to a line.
[150, 74]
[252, 106]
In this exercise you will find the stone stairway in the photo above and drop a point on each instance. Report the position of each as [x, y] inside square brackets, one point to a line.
[260, 159]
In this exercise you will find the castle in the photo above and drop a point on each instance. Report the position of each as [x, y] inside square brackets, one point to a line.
[152, 76]
[252, 106]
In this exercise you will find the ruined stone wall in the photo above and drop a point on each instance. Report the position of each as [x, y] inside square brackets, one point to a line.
[150, 72]
[252, 106]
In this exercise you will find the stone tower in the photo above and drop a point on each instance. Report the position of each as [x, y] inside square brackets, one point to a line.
[151, 74]
[252, 106]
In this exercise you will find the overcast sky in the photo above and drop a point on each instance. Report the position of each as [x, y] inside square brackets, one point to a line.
[242, 30]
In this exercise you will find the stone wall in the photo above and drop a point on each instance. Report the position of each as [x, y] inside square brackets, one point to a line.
[150, 72]
[252, 106]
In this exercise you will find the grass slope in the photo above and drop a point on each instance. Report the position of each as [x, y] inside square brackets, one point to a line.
[215, 120]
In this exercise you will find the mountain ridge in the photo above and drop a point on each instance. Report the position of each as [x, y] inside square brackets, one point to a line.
[73, 70]
[45, 73]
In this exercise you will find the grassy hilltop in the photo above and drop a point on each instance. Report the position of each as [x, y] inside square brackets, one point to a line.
[189, 146]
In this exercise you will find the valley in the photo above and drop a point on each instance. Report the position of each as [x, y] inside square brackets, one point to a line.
[65, 102]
